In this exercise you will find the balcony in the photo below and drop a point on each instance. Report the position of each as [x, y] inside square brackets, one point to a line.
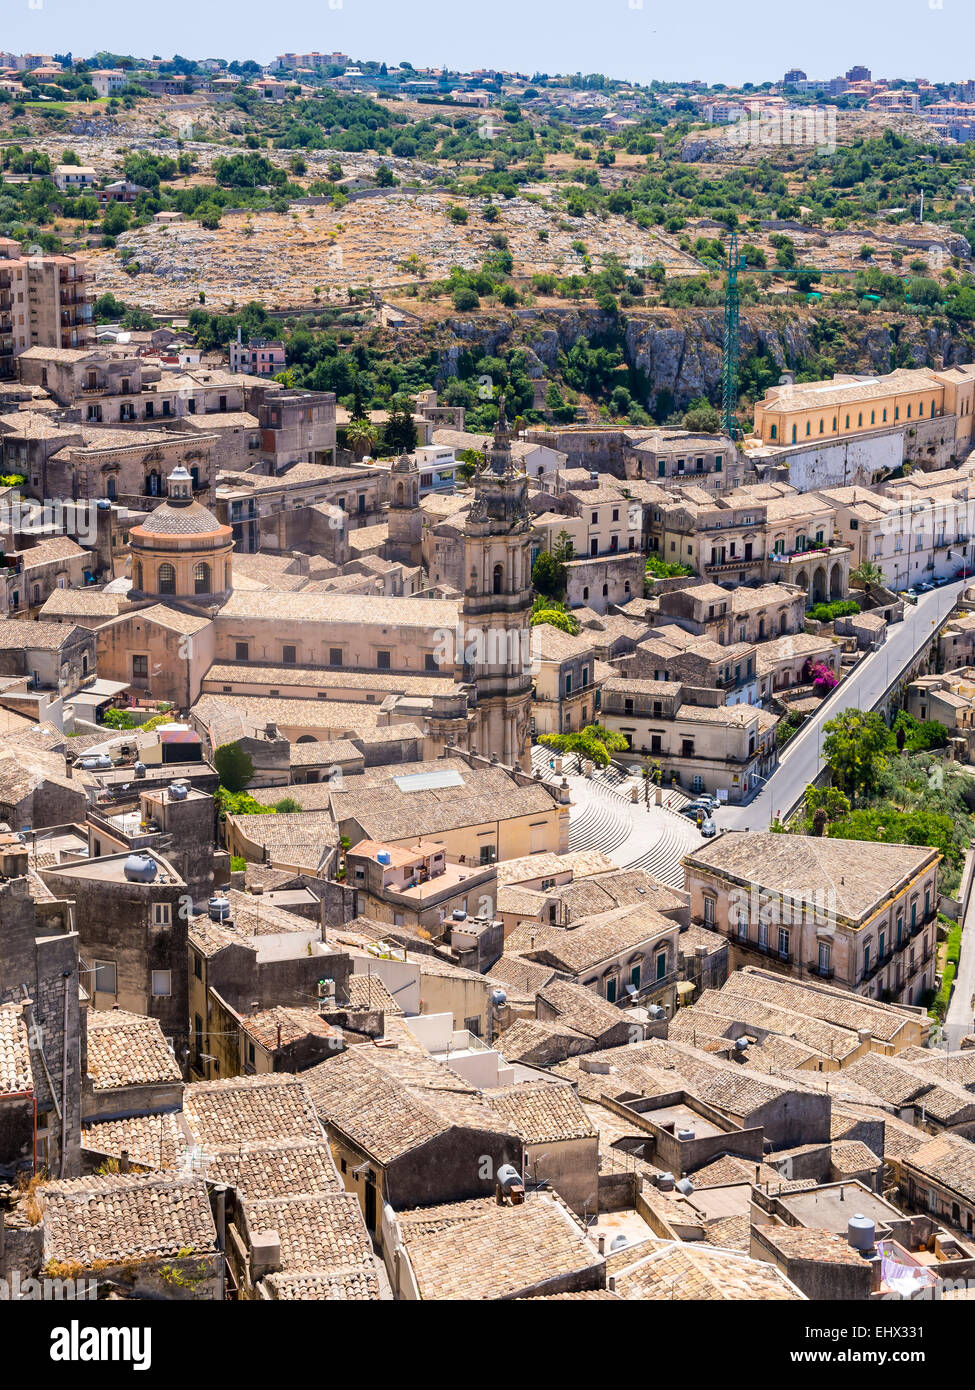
[722, 566]
[820, 973]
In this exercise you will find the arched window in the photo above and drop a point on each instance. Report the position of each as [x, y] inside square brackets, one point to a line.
[137, 576]
[605, 591]
[167, 579]
[498, 578]
[201, 578]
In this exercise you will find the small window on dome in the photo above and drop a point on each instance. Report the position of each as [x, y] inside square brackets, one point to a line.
[167, 579]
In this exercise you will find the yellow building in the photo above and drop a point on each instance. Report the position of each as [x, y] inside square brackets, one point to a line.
[849, 405]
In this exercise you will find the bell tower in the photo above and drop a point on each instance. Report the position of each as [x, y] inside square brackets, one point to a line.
[497, 602]
[405, 520]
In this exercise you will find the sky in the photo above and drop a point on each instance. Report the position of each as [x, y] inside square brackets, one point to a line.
[728, 41]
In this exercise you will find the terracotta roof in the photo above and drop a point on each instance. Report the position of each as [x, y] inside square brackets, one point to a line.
[478, 1250]
[125, 1217]
[542, 1112]
[701, 1272]
[256, 1109]
[127, 1050]
[15, 1068]
[323, 1231]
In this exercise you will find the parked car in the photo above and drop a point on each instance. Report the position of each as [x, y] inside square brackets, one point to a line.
[925, 587]
[911, 595]
[705, 802]
[940, 583]
[708, 829]
[964, 573]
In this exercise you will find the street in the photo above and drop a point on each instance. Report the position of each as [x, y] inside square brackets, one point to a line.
[802, 759]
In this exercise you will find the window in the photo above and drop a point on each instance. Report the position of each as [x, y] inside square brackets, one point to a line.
[661, 964]
[241, 651]
[161, 914]
[488, 854]
[201, 578]
[783, 943]
[383, 661]
[762, 934]
[140, 668]
[162, 983]
[430, 662]
[197, 966]
[498, 579]
[473, 1025]
[709, 911]
[166, 579]
[106, 978]
[289, 655]
[866, 958]
[611, 990]
[824, 958]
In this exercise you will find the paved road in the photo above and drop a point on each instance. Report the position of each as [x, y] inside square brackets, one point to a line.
[959, 1020]
[870, 679]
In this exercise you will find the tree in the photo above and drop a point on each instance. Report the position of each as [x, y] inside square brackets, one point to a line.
[702, 417]
[592, 742]
[827, 801]
[555, 617]
[361, 436]
[548, 571]
[234, 766]
[400, 430]
[854, 747]
[866, 574]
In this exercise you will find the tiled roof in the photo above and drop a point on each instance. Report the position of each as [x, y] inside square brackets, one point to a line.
[811, 1243]
[152, 1141]
[598, 938]
[852, 1156]
[840, 1007]
[278, 1169]
[388, 1101]
[580, 863]
[948, 1160]
[247, 1110]
[125, 1217]
[542, 1112]
[478, 1250]
[127, 1050]
[323, 1231]
[15, 1069]
[282, 1025]
[782, 863]
[701, 1272]
[371, 992]
[325, 1285]
[387, 812]
[580, 1008]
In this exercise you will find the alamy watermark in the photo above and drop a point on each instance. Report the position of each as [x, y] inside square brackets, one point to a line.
[519, 648]
[808, 126]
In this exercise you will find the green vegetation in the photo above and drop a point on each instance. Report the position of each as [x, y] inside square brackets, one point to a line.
[238, 864]
[234, 767]
[665, 569]
[593, 742]
[839, 608]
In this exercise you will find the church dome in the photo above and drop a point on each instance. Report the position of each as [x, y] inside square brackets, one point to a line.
[181, 550]
[180, 520]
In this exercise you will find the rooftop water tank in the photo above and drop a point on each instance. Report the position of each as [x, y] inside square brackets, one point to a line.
[508, 1175]
[139, 868]
[218, 909]
[666, 1182]
[383, 857]
[741, 1044]
[177, 791]
[685, 1134]
[685, 1186]
[861, 1233]
[498, 997]
[139, 769]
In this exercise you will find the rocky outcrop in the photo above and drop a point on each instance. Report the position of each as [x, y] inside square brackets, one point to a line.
[679, 351]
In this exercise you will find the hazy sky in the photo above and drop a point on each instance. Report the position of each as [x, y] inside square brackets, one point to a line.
[715, 40]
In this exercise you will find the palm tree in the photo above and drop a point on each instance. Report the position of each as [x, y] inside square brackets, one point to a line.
[361, 436]
[866, 574]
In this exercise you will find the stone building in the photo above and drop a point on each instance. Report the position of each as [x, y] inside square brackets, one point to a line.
[42, 1019]
[181, 551]
[131, 916]
[497, 603]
